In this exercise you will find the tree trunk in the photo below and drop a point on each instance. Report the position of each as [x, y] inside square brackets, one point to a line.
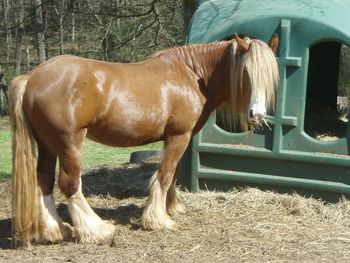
[72, 10]
[28, 57]
[8, 30]
[61, 26]
[19, 34]
[190, 7]
[39, 29]
[3, 94]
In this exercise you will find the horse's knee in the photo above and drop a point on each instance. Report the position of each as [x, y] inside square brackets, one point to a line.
[69, 182]
[68, 186]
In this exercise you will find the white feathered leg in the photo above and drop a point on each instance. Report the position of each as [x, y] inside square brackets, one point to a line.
[155, 213]
[154, 216]
[88, 227]
[173, 204]
[52, 228]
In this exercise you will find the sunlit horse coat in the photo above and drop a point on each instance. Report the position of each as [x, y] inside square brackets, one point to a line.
[167, 97]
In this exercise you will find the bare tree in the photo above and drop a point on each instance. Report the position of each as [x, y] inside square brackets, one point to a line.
[6, 6]
[118, 30]
[71, 9]
[3, 94]
[28, 57]
[19, 34]
[62, 6]
[39, 29]
[189, 7]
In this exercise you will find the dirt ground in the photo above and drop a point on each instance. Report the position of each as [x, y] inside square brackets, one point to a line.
[246, 225]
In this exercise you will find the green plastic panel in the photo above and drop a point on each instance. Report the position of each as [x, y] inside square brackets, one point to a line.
[284, 156]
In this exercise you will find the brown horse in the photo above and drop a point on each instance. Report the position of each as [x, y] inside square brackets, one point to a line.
[167, 97]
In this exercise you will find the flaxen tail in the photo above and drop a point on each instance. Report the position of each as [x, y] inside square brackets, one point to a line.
[24, 179]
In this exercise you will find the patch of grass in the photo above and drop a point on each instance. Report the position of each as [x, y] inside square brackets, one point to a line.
[95, 154]
[5, 154]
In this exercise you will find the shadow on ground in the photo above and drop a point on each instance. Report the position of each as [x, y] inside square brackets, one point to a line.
[130, 180]
[126, 181]
[5, 233]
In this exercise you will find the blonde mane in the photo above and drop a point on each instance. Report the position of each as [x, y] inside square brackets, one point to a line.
[261, 65]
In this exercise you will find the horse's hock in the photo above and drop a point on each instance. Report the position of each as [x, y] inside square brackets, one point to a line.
[307, 147]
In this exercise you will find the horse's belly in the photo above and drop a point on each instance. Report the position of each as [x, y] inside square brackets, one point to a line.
[121, 136]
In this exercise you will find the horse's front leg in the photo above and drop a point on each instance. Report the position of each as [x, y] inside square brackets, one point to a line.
[155, 213]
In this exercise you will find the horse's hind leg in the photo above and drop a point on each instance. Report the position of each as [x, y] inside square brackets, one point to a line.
[52, 229]
[155, 213]
[88, 226]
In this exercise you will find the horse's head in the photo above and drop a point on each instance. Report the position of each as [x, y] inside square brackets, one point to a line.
[258, 71]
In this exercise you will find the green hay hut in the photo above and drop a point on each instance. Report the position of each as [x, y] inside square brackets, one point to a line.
[313, 58]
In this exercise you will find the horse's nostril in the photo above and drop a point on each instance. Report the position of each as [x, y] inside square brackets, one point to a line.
[251, 114]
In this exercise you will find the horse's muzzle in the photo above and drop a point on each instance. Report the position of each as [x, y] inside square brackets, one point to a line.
[255, 117]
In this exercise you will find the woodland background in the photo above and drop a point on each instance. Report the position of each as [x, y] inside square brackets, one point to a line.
[32, 31]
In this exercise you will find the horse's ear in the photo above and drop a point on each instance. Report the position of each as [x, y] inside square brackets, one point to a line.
[273, 43]
[241, 43]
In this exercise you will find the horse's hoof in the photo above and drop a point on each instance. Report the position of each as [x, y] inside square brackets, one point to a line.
[178, 209]
[169, 224]
[66, 230]
[101, 233]
[152, 224]
[53, 234]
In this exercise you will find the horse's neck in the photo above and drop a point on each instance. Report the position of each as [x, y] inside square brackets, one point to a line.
[211, 64]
